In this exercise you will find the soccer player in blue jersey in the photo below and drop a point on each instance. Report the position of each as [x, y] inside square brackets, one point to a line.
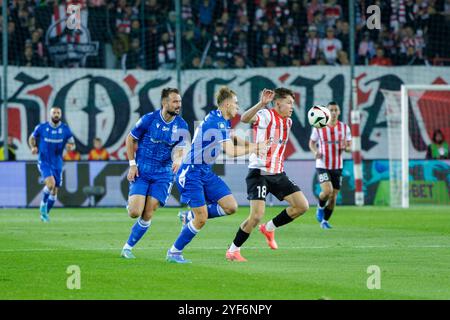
[159, 139]
[48, 140]
[207, 194]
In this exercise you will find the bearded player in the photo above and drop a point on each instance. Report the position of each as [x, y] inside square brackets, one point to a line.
[48, 140]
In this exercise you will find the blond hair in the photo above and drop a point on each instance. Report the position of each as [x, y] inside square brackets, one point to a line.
[224, 94]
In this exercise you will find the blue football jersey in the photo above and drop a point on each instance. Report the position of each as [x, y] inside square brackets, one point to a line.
[207, 140]
[156, 140]
[51, 142]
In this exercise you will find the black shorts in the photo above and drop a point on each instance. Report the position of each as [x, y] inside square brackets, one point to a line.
[259, 185]
[333, 175]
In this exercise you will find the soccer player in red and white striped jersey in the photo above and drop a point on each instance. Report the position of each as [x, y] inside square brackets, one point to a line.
[266, 171]
[328, 144]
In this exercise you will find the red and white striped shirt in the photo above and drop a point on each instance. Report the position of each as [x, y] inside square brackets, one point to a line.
[330, 140]
[270, 125]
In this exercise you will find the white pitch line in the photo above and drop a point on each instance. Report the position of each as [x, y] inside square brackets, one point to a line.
[224, 248]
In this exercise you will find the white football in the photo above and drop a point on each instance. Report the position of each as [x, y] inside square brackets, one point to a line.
[319, 116]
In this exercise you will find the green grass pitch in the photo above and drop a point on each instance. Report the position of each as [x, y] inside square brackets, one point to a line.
[411, 248]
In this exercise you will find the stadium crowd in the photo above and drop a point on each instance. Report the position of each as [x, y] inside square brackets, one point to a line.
[235, 33]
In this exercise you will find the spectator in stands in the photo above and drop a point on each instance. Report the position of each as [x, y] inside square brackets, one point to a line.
[291, 37]
[264, 57]
[205, 11]
[30, 58]
[240, 42]
[343, 34]
[186, 10]
[135, 31]
[421, 24]
[438, 149]
[190, 46]
[343, 58]
[221, 50]
[330, 46]
[296, 62]
[366, 49]
[380, 59]
[134, 59]
[166, 52]
[387, 40]
[312, 44]
[195, 63]
[72, 155]
[299, 17]
[12, 148]
[38, 45]
[321, 26]
[209, 63]
[411, 58]
[306, 59]
[332, 12]
[312, 7]
[239, 62]
[285, 57]
[98, 152]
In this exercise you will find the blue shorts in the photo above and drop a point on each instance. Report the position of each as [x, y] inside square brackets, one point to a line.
[47, 170]
[158, 187]
[198, 187]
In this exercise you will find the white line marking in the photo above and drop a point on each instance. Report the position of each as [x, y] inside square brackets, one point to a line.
[224, 248]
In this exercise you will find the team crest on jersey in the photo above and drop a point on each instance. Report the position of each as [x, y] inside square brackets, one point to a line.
[60, 130]
[174, 128]
[222, 125]
[157, 125]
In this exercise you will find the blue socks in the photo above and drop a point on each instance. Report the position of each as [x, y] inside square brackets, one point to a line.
[186, 235]
[137, 231]
[45, 195]
[50, 202]
[214, 211]
[189, 231]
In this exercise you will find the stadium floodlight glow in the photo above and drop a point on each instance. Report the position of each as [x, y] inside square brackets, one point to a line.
[399, 105]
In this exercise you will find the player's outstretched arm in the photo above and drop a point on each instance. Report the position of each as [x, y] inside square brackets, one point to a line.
[70, 145]
[239, 141]
[235, 151]
[178, 155]
[313, 147]
[347, 146]
[32, 144]
[249, 116]
[131, 144]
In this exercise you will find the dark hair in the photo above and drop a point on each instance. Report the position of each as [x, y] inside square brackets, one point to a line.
[224, 94]
[281, 93]
[98, 139]
[333, 103]
[435, 133]
[167, 91]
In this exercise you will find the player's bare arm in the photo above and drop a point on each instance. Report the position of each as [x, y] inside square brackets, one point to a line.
[178, 156]
[348, 146]
[249, 116]
[313, 147]
[235, 151]
[239, 141]
[131, 145]
[70, 145]
[32, 144]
